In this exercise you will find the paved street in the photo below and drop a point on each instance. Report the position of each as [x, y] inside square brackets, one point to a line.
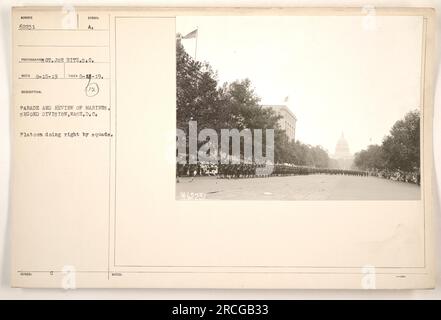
[311, 187]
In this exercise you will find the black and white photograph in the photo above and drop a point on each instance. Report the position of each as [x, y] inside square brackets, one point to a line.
[298, 107]
[222, 150]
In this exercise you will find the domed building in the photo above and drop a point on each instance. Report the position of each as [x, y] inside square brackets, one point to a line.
[342, 148]
[342, 156]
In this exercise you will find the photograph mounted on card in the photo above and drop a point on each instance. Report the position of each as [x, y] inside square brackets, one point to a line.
[222, 147]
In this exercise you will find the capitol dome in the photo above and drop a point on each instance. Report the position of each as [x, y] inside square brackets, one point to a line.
[342, 149]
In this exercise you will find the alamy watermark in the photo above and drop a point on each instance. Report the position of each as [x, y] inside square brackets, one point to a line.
[369, 276]
[188, 151]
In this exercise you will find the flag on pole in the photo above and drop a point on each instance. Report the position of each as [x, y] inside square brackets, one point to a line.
[191, 35]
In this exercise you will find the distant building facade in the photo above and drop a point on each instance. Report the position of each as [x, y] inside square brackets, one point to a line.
[343, 159]
[287, 121]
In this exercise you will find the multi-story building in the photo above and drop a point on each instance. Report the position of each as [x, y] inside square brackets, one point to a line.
[287, 121]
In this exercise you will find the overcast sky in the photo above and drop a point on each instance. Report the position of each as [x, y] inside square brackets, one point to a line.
[342, 74]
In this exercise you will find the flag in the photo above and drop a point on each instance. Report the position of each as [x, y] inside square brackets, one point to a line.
[191, 35]
[286, 99]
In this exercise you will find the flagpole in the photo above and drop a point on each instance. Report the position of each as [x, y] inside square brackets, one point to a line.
[196, 47]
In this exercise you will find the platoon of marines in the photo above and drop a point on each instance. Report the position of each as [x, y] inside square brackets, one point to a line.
[244, 170]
